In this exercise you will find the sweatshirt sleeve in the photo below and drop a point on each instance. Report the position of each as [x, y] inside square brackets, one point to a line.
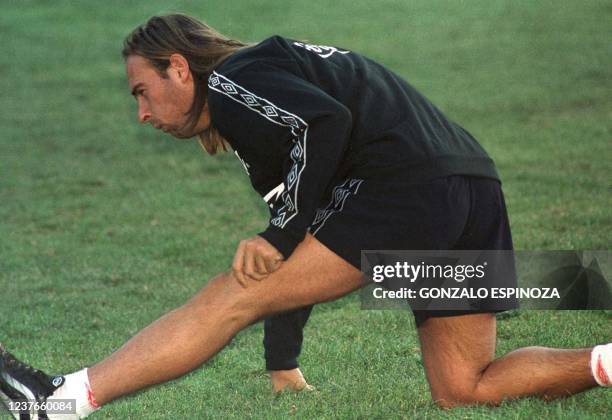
[282, 111]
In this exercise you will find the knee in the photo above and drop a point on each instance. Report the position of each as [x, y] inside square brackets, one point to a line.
[224, 298]
[450, 396]
[461, 393]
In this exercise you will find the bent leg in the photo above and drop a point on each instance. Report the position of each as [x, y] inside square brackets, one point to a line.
[458, 354]
[183, 339]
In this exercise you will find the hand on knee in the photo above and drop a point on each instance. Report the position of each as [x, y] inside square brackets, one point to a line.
[224, 298]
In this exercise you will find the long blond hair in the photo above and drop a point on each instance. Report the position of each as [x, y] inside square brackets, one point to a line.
[203, 47]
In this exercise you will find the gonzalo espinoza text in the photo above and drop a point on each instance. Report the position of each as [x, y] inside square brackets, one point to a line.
[458, 273]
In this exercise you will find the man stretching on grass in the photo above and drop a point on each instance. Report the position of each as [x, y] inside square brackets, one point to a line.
[349, 157]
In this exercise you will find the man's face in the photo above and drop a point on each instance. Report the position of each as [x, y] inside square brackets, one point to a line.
[164, 102]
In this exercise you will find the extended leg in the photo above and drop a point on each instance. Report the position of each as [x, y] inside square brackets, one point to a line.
[458, 354]
[183, 339]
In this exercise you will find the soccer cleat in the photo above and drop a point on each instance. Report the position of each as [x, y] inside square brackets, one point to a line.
[23, 387]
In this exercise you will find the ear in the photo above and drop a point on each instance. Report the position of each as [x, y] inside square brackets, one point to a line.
[179, 67]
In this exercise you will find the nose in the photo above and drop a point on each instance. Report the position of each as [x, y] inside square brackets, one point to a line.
[144, 115]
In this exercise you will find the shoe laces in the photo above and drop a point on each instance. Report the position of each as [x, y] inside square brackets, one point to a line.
[12, 362]
[17, 366]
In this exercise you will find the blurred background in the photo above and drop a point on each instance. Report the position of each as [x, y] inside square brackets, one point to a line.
[106, 224]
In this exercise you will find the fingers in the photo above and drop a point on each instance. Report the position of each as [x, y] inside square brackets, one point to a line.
[273, 263]
[237, 265]
[249, 266]
[260, 265]
[255, 259]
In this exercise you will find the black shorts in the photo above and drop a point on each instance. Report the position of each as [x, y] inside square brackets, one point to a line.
[451, 213]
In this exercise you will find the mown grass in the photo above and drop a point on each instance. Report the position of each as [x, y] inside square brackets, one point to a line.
[105, 225]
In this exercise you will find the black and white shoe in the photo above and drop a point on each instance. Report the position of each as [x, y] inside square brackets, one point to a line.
[23, 388]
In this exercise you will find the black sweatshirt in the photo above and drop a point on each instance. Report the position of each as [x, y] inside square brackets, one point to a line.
[300, 116]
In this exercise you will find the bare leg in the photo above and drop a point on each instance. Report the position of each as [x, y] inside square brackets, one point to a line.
[185, 338]
[458, 354]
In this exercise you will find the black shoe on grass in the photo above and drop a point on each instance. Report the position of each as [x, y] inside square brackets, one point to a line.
[24, 389]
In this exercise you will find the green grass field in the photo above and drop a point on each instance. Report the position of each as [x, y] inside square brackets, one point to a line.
[106, 224]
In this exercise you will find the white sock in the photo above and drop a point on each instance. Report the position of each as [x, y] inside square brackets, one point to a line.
[601, 364]
[76, 387]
